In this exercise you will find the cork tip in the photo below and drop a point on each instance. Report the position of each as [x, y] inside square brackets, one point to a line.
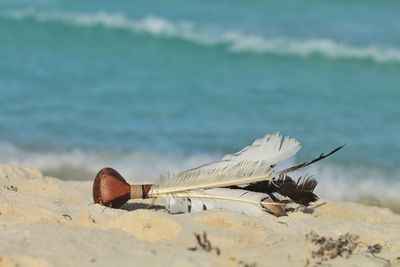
[110, 188]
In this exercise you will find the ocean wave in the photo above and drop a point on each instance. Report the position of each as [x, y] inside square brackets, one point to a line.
[336, 182]
[79, 164]
[354, 183]
[235, 41]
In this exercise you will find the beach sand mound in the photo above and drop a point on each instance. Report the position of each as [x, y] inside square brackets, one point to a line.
[48, 222]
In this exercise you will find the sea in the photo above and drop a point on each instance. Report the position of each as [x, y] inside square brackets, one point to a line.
[156, 87]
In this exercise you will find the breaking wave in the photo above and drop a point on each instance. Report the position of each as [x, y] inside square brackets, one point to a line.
[78, 164]
[235, 41]
[336, 182]
[355, 183]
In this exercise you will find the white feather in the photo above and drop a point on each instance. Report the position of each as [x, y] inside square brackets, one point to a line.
[246, 202]
[176, 205]
[251, 164]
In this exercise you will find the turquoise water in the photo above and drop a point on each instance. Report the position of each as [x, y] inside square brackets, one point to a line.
[160, 86]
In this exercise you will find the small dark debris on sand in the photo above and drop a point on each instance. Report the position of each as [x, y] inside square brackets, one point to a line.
[247, 264]
[204, 244]
[66, 216]
[11, 188]
[344, 246]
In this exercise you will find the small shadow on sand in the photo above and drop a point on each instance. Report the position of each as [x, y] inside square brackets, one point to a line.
[140, 206]
[308, 210]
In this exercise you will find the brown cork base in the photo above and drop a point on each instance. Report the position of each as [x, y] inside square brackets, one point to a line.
[110, 188]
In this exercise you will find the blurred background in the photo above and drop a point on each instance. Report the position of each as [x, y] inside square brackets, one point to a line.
[156, 87]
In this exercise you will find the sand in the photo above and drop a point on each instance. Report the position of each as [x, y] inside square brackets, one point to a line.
[48, 222]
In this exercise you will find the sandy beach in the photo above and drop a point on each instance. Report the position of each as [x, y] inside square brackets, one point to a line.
[48, 222]
[197, 105]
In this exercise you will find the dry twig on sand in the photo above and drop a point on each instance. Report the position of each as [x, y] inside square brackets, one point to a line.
[204, 244]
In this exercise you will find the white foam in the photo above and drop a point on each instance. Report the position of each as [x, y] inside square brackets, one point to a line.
[355, 182]
[81, 164]
[235, 41]
[335, 182]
